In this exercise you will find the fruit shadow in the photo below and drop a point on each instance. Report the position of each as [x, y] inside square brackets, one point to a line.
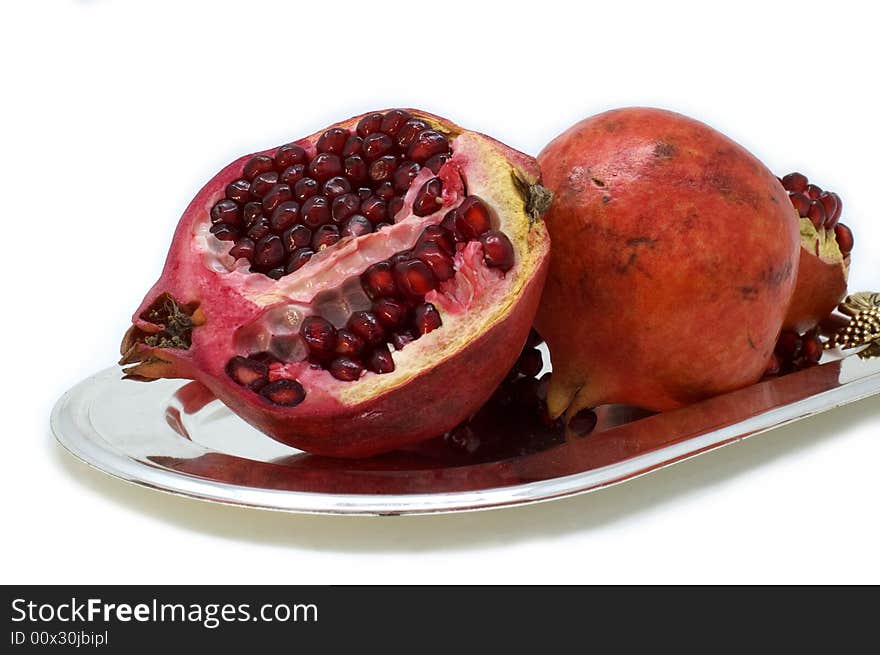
[536, 522]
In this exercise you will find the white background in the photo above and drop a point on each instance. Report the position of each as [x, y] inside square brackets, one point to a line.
[115, 113]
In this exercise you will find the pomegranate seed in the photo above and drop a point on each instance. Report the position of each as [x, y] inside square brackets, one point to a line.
[378, 281]
[376, 145]
[348, 343]
[390, 312]
[436, 162]
[355, 169]
[816, 214]
[788, 345]
[324, 166]
[374, 209]
[394, 206]
[260, 229]
[400, 339]
[404, 175]
[289, 155]
[795, 182]
[319, 335]
[345, 368]
[844, 238]
[316, 211]
[298, 258]
[813, 191]
[269, 252]
[364, 193]
[251, 213]
[811, 349]
[247, 372]
[367, 327]
[530, 362]
[258, 164]
[298, 236]
[275, 196]
[472, 218]
[383, 168]
[324, 237]
[293, 174]
[332, 141]
[226, 211]
[409, 131]
[276, 273]
[356, 226]
[239, 191]
[427, 144]
[497, 250]
[832, 220]
[774, 366]
[436, 258]
[801, 203]
[379, 226]
[306, 188]
[336, 186]
[439, 235]
[380, 360]
[288, 393]
[414, 278]
[429, 198]
[263, 183]
[354, 145]
[426, 318]
[369, 124]
[402, 256]
[225, 232]
[344, 206]
[285, 216]
[243, 249]
[394, 120]
[385, 191]
[829, 202]
[448, 224]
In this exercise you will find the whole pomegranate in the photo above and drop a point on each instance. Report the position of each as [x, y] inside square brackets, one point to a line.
[354, 291]
[675, 253]
[824, 257]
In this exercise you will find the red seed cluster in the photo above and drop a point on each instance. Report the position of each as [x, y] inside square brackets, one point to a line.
[286, 207]
[823, 208]
[399, 314]
[794, 352]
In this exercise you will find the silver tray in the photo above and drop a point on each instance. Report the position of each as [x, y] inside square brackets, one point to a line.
[172, 436]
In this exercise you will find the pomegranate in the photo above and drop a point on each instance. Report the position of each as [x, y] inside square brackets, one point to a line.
[675, 254]
[825, 253]
[360, 289]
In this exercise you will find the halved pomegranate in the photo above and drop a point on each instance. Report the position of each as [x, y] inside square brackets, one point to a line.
[363, 288]
[825, 253]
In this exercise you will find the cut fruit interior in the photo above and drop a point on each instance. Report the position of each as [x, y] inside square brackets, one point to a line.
[335, 269]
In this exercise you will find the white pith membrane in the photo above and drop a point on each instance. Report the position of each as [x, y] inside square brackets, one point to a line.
[821, 242]
[476, 297]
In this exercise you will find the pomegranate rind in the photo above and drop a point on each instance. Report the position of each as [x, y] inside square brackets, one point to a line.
[822, 278]
[675, 254]
[439, 380]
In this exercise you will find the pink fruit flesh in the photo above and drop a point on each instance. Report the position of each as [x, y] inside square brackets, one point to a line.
[328, 293]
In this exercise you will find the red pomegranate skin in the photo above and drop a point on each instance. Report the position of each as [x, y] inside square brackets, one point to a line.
[443, 394]
[675, 253]
[820, 288]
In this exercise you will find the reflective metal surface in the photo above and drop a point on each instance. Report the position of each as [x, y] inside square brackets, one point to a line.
[172, 435]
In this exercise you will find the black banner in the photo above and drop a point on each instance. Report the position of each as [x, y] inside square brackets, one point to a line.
[403, 619]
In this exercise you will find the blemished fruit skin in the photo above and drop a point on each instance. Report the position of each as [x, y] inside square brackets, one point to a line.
[674, 257]
[201, 314]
